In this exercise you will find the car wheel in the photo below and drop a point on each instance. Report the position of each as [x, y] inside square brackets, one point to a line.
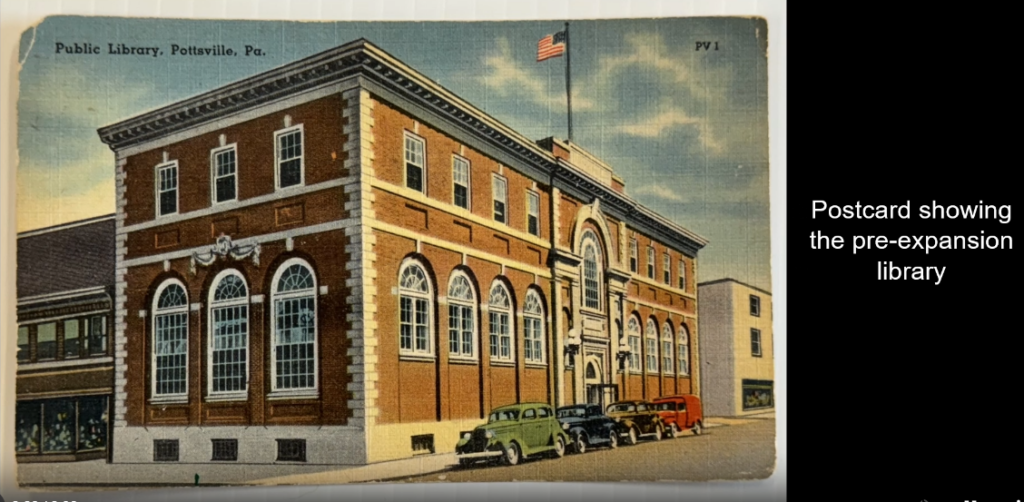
[673, 431]
[580, 445]
[559, 447]
[659, 432]
[613, 440]
[512, 454]
[633, 435]
[698, 429]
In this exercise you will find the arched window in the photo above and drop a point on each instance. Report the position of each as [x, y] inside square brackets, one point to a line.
[461, 317]
[170, 340]
[633, 335]
[533, 327]
[591, 271]
[652, 346]
[666, 348]
[294, 356]
[415, 305]
[227, 357]
[500, 310]
[684, 351]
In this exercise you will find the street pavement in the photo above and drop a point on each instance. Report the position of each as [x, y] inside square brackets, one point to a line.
[743, 450]
[729, 449]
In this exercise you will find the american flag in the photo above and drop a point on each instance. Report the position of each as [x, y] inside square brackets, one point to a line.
[551, 46]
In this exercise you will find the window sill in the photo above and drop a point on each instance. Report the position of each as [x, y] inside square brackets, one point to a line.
[463, 361]
[501, 363]
[218, 398]
[536, 365]
[417, 358]
[169, 400]
[293, 394]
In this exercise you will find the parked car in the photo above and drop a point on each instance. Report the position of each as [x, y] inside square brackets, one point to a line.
[637, 418]
[680, 413]
[588, 426]
[512, 433]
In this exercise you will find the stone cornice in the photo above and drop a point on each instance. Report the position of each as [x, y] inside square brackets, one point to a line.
[363, 59]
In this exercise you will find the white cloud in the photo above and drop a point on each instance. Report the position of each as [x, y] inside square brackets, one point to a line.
[658, 191]
[669, 117]
[508, 78]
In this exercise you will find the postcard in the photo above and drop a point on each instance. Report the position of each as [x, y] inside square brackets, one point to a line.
[279, 253]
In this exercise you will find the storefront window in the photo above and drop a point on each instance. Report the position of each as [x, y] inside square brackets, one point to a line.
[58, 426]
[92, 423]
[27, 432]
[50, 426]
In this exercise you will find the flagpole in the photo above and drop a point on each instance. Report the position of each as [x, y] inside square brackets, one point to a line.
[568, 79]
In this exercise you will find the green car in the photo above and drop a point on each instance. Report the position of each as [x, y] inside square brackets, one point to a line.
[513, 433]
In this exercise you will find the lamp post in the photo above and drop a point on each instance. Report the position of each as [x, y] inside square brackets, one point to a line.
[572, 347]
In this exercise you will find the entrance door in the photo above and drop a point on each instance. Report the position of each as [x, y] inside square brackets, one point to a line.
[592, 379]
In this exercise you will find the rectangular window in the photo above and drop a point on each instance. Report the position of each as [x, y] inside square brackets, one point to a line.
[171, 344]
[666, 356]
[24, 349]
[460, 330]
[46, 341]
[533, 213]
[682, 274]
[167, 189]
[652, 355]
[499, 189]
[501, 339]
[165, 450]
[225, 449]
[534, 348]
[684, 360]
[289, 157]
[71, 339]
[225, 174]
[230, 342]
[666, 265]
[460, 180]
[755, 342]
[650, 262]
[633, 258]
[755, 305]
[295, 365]
[414, 335]
[414, 163]
[634, 353]
[291, 450]
[96, 343]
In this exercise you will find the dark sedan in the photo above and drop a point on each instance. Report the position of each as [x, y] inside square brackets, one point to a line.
[588, 426]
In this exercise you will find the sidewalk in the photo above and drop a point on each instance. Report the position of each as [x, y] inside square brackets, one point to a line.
[99, 474]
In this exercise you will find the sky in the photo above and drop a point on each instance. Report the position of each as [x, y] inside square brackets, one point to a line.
[686, 129]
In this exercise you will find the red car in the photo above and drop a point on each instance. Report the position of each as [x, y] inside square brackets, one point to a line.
[680, 413]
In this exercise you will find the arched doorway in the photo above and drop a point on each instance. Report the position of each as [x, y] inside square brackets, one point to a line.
[592, 379]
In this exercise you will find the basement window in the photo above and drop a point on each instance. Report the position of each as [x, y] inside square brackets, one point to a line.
[291, 450]
[165, 450]
[225, 449]
[423, 444]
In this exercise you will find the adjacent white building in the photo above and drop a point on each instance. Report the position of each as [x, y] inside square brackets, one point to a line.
[736, 349]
